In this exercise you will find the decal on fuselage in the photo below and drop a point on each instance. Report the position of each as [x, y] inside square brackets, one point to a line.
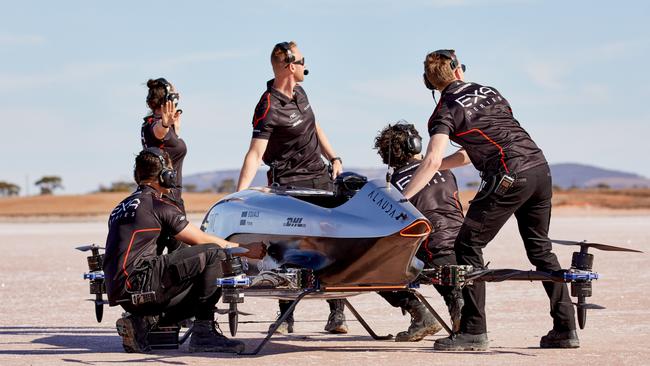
[387, 206]
[294, 222]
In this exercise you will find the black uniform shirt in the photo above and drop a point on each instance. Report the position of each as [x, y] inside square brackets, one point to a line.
[479, 119]
[290, 127]
[438, 202]
[174, 145]
[133, 228]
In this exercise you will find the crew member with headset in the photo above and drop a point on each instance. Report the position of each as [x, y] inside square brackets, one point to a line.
[399, 146]
[178, 285]
[288, 139]
[517, 180]
[161, 129]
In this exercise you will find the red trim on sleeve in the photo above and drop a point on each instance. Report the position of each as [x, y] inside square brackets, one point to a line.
[268, 106]
[503, 161]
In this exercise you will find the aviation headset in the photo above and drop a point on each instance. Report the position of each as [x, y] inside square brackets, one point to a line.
[169, 96]
[166, 177]
[286, 48]
[413, 142]
[448, 54]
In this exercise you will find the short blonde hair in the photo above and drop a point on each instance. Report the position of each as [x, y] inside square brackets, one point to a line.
[437, 69]
[279, 54]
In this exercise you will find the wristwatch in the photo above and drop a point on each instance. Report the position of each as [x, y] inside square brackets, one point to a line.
[332, 160]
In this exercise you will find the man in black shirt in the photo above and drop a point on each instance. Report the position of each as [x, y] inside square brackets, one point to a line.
[517, 181]
[178, 285]
[288, 139]
[399, 146]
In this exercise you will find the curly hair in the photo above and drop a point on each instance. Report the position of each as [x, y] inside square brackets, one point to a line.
[393, 139]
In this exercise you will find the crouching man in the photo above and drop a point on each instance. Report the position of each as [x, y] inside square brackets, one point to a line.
[399, 146]
[173, 286]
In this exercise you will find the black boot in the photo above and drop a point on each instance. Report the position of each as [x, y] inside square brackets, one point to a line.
[462, 342]
[134, 330]
[287, 325]
[207, 337]
[423, 323]
[560, 339]
[454, 301]
[336, 321]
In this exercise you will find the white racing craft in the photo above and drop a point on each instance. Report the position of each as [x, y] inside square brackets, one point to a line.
[362, 237]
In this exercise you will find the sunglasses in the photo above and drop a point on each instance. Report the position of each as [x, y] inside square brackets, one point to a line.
[298, 62]
[463, 67]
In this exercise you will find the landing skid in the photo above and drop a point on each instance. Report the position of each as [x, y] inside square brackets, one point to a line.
[354, 312]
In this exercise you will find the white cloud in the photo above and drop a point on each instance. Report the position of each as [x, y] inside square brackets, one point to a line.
[547, 74]
[198, 57]
[65, 75]
[20, 39]
[400, 90]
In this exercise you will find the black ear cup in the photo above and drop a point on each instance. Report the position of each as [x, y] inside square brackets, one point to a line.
[166, 177]
[427, 83]
[413, 142]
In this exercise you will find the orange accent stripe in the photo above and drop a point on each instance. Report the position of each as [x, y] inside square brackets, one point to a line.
[362, 288]
[457, 201]
[268, 106]
[404, 232]
[128, 251]
[503, 161]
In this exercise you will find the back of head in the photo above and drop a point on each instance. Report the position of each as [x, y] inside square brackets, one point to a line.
[397, 144]
[148, 165]
[158, 91]
[438, 67]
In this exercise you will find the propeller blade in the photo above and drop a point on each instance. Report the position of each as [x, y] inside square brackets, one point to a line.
[99, 311]
[85, 248]
[605, 247]
[227, 311]
[233, 318]
[103, 302]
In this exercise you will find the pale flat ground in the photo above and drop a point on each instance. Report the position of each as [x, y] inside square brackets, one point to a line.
[44, 319]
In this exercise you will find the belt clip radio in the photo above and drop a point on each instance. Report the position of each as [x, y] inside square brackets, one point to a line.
[504, 185]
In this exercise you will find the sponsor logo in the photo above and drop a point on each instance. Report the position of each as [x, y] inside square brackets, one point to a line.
[387, 206]
[296, 123]
[480, 99]
[307, 107]
[250, 215]
[124, 210]
[294, 222]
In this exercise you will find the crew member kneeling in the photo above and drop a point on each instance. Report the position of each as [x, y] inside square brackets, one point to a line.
[399, 146]
[174, 286]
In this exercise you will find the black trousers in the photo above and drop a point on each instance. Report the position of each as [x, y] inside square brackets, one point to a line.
[529, 199]
[402, 299]
[184, 282]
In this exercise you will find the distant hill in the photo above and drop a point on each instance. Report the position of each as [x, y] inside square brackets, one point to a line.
[565, 175]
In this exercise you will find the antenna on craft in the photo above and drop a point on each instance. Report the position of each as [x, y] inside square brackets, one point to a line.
[389, 173]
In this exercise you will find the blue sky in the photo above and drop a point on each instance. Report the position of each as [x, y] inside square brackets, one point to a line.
[72, 76]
